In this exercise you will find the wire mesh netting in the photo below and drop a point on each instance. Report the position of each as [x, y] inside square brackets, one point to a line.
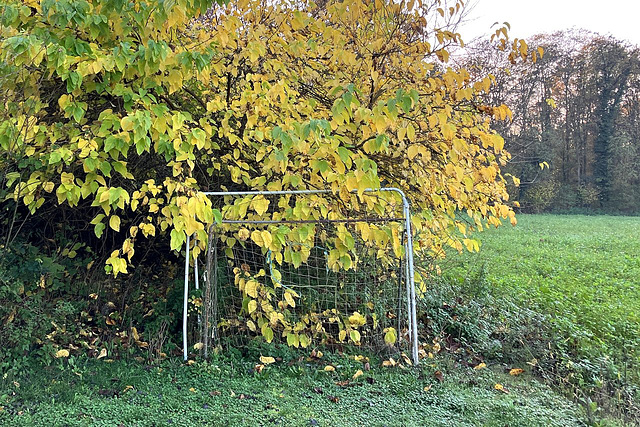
[307, 269]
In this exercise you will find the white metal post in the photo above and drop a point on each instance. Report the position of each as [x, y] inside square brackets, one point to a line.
[185, 303]
[197, 282]
[412, 282]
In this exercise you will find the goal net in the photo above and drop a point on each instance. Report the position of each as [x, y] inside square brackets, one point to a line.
[308, 268]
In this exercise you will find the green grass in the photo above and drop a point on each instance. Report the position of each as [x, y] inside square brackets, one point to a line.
[583, 271]
[557, 296]
[228, 393]
[563, 290]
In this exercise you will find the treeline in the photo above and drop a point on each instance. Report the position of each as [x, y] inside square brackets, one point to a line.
[577, 111]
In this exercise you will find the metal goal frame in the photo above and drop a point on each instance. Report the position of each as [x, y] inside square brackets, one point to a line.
[408, 259]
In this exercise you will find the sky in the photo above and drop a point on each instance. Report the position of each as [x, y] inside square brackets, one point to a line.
[619, 18]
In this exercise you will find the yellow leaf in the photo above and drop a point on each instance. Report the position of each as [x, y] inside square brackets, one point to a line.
[198, 346]
[251, 288]
[267, 360]
[253, 306]
[260, 204]
[62, 353]
[355, 336]
[103, 353]
[413, 151]
[411, 132]
[289, 299]
[516, 371]
[480, 366]
[329, 368]
[48, 186]
[499, 387]
[357, 319]
[391, 336]
[256, 236]
[243, 234]
[192, 390]
[266, 238]
[357, 374]
[114, 222]
[127, 123]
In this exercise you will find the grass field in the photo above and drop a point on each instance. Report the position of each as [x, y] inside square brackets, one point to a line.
[556, 296]
[228, 393]
[561, 291]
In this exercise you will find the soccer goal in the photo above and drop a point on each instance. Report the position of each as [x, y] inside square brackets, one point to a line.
[305, 268]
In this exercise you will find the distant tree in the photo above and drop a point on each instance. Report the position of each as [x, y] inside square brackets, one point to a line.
[573, 109]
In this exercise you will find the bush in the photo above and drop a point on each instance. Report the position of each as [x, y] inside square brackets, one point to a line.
[50, 302]
[34, 316]
[540, 196]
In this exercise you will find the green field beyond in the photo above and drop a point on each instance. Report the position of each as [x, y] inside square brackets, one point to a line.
[582, 271]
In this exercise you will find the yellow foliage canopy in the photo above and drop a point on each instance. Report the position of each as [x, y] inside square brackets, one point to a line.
[135, 108]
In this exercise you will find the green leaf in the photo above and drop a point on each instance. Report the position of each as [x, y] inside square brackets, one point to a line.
[99, 229]
[267, 332]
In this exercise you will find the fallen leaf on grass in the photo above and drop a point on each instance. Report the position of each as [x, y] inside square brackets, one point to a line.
[427, 388]
[329, 368]
[344, 383]
[62, 353]
[357, 374]
[516, 371]
[439, 375]
[316, 354]
[267, 360]
[103, 353]
[389, 363]
[251, 397]
[215, 393]
[480, 366]
[407, 360]
[501, 388]
[334, 399]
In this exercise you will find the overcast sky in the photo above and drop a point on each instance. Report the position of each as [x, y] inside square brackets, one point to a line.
[620, 18]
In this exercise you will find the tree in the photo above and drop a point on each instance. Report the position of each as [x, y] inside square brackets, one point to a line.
[129, 110]
[573, 110]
